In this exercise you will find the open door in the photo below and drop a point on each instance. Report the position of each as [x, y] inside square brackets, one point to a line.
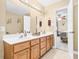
[70, 29]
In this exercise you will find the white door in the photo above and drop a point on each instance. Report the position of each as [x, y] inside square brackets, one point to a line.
[70, 29]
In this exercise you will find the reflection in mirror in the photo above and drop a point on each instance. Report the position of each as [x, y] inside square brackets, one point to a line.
[15, 13]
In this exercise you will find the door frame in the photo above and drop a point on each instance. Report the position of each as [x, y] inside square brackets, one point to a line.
[70, 42]
[70, 30]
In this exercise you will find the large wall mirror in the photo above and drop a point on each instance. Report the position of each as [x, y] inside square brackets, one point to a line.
[15, 17]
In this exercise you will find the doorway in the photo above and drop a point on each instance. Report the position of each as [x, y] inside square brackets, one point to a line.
[61, 24]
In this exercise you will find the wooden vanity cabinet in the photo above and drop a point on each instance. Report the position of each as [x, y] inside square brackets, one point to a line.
[35, 49]
[32, 49]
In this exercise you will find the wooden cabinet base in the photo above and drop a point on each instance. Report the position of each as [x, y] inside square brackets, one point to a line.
[33, 49]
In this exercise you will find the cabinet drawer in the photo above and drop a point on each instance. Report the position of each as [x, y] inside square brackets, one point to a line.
[43, 51]
[25, 54]
[21, 46]
[34, 42]
[43, 39]
[43, 44]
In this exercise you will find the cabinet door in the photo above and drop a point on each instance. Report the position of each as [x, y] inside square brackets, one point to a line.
[43, 51]
[43, 48]
[48, 43]
[25, 54]
[35, 52]
[52, 41]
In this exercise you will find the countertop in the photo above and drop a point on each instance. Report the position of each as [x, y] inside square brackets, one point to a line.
[16, 38]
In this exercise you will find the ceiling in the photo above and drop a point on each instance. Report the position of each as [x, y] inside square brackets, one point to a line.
[47, 2]
[16, 6]
[12, 6]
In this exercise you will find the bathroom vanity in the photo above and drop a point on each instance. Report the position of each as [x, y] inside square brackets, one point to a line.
[32, 47]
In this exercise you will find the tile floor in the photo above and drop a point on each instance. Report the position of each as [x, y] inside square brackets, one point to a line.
[75, 56]
[56, 54]
[61, 45]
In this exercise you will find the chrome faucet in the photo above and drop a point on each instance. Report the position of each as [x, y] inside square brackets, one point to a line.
[25, 34]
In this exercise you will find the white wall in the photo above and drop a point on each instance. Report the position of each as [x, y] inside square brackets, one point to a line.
[2, 23]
